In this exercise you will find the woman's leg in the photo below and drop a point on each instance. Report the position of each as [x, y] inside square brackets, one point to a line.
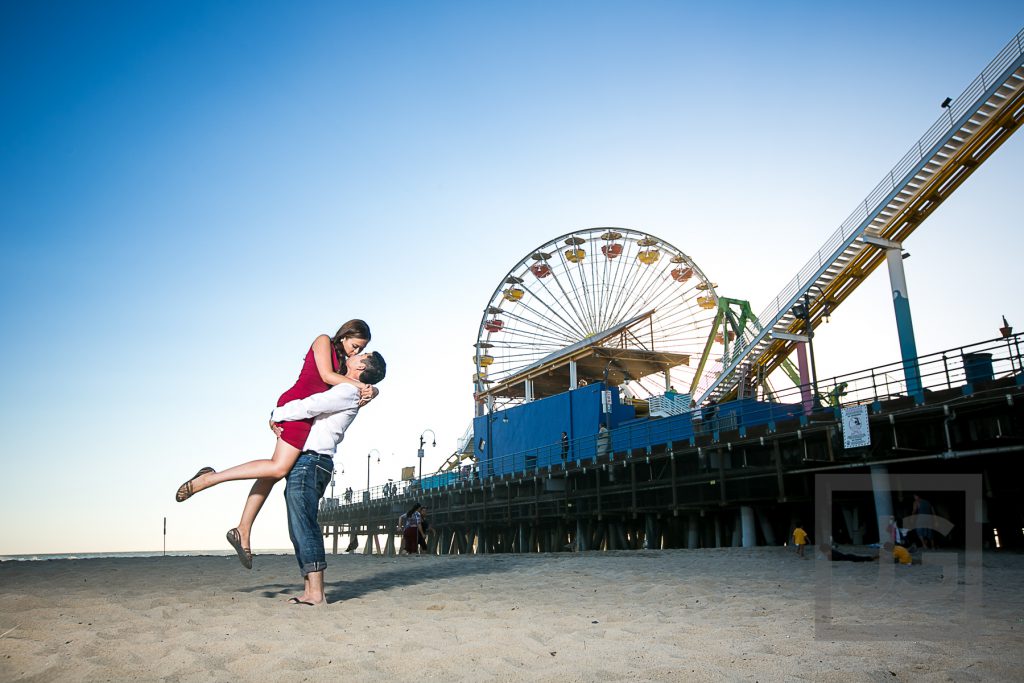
[253, 504]
[276, 468]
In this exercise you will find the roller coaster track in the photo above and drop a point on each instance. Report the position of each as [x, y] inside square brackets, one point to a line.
[969, 131]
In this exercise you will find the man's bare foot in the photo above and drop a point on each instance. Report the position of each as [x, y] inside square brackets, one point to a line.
[308, 601]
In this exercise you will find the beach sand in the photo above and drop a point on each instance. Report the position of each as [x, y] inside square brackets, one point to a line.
[723, 614]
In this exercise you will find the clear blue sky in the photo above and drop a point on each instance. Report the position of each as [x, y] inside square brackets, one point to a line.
[191, 192]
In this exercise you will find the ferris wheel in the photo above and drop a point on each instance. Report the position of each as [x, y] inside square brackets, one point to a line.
[614, 287]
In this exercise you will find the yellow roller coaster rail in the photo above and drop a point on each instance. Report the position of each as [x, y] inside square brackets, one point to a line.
[971, 128]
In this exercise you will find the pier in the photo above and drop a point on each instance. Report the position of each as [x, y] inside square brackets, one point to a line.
[739, 480]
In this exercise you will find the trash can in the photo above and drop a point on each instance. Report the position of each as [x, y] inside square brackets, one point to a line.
[978, 367]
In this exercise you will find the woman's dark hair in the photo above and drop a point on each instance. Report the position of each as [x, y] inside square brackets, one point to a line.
[413, 509]
[353, 328]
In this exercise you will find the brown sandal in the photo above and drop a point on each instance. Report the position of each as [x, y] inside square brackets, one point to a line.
[185, 490]
[244, 554]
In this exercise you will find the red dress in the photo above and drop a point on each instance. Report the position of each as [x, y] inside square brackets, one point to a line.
[309, 383]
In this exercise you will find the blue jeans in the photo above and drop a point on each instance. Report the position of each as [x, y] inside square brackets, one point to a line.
[306, 485]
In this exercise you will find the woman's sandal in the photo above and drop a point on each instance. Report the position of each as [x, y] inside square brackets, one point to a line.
[244, 554]
[185, 490]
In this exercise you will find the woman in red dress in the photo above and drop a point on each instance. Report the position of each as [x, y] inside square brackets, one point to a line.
[321, 370]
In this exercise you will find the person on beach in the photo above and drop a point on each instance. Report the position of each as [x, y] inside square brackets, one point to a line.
[900, 555]
[425, 526]
[332, 412]
[836, 555]
[799, 539]
[896, 534]
[412, 529]
[323, 367]
[922, 511]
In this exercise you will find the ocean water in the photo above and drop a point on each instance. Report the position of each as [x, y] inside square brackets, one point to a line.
[40, 557]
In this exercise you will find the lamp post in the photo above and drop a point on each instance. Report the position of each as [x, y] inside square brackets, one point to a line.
[369, 544]
[368, 456]
[333, 473]
[419, 453]
[802, 310]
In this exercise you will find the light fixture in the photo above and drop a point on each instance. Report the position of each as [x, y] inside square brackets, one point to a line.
[419, 453]
[946, 102]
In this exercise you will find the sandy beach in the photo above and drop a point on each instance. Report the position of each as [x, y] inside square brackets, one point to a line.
[724, 614]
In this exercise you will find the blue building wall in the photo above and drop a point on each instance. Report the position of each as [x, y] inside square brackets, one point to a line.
[439, 480]
[529, 435]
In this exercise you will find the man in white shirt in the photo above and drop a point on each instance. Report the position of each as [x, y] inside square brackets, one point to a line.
[333, 411]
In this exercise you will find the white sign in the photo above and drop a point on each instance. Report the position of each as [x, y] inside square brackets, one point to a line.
[856, 431]
[606, 401]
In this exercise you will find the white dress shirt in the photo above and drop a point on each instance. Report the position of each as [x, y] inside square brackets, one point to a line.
[333, 411]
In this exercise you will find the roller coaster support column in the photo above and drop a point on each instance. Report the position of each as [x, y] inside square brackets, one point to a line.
[803, 379]
[882, 490]
[806, 396]
[894, 256]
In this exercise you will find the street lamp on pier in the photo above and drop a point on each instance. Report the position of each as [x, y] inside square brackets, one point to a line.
[419, 453]
[333, 473]
[368, 456]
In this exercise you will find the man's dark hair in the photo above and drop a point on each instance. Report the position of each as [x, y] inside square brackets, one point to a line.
[375, 369]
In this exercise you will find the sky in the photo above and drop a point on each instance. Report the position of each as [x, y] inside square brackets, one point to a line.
[191, 192]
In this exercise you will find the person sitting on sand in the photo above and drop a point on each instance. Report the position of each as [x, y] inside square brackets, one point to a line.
[333, 410]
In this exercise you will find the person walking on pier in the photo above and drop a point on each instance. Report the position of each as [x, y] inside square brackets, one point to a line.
[324, 366]
[333, 412]
[604, 442]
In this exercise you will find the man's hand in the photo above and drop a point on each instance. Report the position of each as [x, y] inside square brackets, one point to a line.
[276, 428]
[367, 393]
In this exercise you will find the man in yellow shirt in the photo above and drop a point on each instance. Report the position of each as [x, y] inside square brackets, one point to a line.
[799, 539]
